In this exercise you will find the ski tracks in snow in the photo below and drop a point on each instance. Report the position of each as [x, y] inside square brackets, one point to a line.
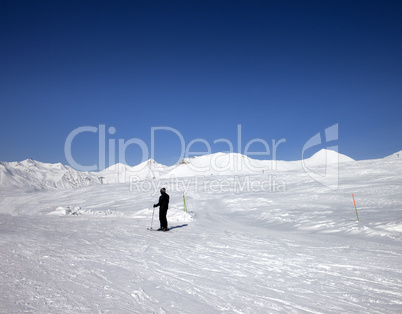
[87, 264]
[275, 272]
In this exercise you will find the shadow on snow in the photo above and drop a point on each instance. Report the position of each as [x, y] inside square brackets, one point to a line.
[176, 227]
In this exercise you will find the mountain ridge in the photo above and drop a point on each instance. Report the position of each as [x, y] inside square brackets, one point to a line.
[38, 175]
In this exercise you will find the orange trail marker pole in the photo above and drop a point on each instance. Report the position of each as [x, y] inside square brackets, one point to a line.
[354, 202]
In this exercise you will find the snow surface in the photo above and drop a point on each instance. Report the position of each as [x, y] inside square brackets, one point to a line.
[272, 242]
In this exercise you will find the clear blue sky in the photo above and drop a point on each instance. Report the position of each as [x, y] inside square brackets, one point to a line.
[281, 69]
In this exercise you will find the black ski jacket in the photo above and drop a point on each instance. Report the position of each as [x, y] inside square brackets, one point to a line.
[163, 201]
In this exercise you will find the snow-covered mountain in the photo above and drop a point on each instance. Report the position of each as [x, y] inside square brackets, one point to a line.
[326, 157]
[38, 175]
[395, 156]
[213, 164]
[233, 163]
[121, 173]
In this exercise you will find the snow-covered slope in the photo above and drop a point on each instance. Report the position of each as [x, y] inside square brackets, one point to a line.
[244, 246]
[121, 173]
[37, 175]
[395, 156]
[233, 164]
[325, 157]
[213, 164]
[225, 164]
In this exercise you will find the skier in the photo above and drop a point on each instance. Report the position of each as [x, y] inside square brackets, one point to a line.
[163, 208]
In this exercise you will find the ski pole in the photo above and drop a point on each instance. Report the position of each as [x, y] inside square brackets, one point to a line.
[152, 220]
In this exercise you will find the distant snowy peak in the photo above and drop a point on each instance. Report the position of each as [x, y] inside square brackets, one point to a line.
[395, 156]
[217, 164]
[119, 167]
[37, 175]
[150, 163]
[216, 156]
[326, 156]
[34, 164]
[235, 163]
[122, 173]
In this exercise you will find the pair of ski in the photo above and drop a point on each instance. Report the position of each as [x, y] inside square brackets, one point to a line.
[152, 229]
